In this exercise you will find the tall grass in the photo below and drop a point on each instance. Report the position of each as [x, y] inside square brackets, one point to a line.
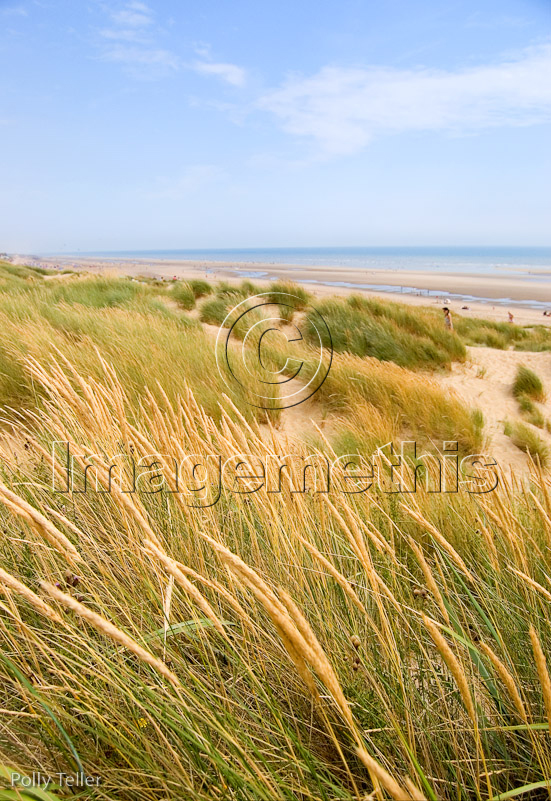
[90, 319]
[270, 646]
[386, 331]
[474, 331]
[293, 645]
[184, 294]
[200, 288]
[377, 402]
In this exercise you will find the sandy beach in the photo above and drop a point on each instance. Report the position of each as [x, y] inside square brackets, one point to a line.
[485, 295]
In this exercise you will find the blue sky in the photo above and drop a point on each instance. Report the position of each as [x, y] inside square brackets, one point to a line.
[240, 123]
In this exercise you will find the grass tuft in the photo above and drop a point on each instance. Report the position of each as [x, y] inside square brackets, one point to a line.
[184, 294]
[529, 441]
[528, 384]
[386, 331]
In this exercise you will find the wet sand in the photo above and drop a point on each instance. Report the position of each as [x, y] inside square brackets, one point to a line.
[526, 295]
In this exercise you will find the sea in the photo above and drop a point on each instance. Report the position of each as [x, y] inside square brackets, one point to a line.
[490, 260]
[530, 263]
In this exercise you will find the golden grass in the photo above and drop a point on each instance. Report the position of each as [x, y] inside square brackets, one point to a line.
[267, 646]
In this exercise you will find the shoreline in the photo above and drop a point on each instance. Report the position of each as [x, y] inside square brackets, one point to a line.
[484, 295]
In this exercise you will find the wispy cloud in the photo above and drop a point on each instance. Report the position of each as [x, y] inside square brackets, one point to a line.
[14, 11]
[230, 73]
[132, 39]
[343, 109]
[130, 23]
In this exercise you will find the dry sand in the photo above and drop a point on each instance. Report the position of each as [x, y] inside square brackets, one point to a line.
[485, 381]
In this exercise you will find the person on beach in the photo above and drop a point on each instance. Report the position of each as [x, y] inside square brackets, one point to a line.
[448, 322]
[511, 318]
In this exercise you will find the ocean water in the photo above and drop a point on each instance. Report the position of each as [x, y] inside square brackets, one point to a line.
[529, 263]
[488, 260]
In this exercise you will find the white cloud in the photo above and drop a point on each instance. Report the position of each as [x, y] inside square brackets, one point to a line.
[230, 73]
[343, 109]
[133, 42]
[130, 23]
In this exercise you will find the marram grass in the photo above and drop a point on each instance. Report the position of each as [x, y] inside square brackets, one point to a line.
[271, 646]
[298, 659]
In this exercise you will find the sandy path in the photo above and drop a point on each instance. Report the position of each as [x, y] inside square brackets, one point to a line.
[485, 381]
[294, 423]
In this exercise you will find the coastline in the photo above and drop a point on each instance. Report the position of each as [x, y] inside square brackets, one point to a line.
[526, 296]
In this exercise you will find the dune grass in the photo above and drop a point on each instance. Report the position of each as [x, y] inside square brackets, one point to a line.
[270, 646]
[528, 384]
[213, 311]
[200, 288]
[184, 295]
[413, 407]
[474, 331]
[529, 441]
[84, 317]
[204, 645]
[386, 331]
[289, 297]
[530, 411]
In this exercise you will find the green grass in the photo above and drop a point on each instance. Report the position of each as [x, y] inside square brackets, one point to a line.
[200, 288]
[294, 295]
[376, 402]
[300, 635]
[256, 715]
[529, 441]
[528, 384]
[387, 331]
[83, 315]
[214, 311]
[184, 294]
[474, 331]
[531, 413]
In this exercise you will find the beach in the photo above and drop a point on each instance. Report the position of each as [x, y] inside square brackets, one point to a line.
[526, 294]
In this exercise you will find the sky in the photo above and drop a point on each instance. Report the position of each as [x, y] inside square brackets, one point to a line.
[273, 123]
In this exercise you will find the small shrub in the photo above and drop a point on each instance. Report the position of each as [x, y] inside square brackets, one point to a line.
[183, 294]
[528, 383]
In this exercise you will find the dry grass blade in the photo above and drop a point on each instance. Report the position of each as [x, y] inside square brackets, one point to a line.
[546, 594]
[109, 630]
[386, 780]
[55, 537]
[21, 589]
[543, 673]
[171, 566]
[507, 680]
[454, 666]
[440, 539]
